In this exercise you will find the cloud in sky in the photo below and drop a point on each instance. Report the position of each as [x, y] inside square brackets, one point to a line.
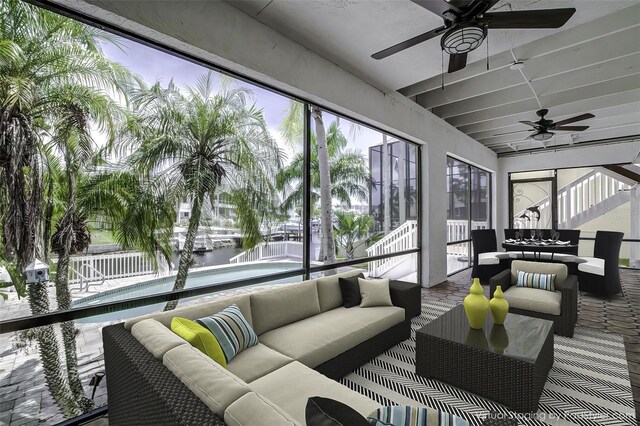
[153, 65]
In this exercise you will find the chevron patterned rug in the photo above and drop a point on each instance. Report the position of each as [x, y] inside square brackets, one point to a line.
[588, 384]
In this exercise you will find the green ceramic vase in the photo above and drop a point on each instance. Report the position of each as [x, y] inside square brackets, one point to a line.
[499, 306]
[476, 306]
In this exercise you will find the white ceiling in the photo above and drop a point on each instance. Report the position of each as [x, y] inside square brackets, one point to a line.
[591, 64]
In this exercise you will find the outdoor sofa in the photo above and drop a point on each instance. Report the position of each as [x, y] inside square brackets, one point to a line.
[306, 339]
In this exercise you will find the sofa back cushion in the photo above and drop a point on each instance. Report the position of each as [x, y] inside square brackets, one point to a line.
[200, 310]
[274, 308]
[154, 336]
[329, 294]
[213, 384]
[559, 269]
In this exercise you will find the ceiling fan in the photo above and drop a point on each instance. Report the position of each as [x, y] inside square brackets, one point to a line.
[466, 23]
[542, 127]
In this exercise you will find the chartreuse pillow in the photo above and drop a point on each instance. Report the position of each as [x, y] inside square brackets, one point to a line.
[200, 338]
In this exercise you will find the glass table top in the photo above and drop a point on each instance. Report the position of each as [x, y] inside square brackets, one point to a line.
[520, 337]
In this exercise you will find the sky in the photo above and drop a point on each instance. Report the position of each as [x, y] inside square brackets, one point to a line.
[153, 65]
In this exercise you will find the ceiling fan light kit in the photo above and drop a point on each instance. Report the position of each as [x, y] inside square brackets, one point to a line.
[463, 39]
[542, 135]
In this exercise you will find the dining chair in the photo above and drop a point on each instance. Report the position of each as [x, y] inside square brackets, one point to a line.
[487, 260]
[600, 274]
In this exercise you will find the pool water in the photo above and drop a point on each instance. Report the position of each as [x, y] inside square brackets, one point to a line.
[198, 278]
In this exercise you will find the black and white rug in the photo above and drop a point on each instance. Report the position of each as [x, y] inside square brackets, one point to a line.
[588, 384]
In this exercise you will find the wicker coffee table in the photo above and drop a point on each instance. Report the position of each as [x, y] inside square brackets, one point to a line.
[507, 364]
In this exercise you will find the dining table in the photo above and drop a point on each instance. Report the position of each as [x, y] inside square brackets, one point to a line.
[537, 247]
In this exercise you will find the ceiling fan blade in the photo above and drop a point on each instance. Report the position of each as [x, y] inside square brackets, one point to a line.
[407, 43]
[546, 18]
[439, 7]
[529, 123]
[457, 62]
[573, 119]
[570, 128]
[509, 133]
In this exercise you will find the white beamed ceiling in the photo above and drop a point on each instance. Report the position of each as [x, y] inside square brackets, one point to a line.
[592, 64]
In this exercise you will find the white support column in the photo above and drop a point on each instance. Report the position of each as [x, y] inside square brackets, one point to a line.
[634, 226]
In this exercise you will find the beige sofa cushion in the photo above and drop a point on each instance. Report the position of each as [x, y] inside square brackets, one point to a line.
[253, 409]
[559, 269]
[198, 311]
[256, 362]
[291, 386]
[533, 299]
[275, 308]
[157, 338]
[207, 379]
[317, 339]
[329, 294]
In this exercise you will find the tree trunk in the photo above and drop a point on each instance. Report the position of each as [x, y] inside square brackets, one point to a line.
[386, 185]
[327, 243]
[68, 328]
[187, 249]
[49, 354]
[63, 295]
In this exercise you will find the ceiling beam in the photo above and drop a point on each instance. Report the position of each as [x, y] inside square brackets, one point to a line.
[611, 70]
[618, 85]
[584, 33]
[599, 113]
[501, 124]
[620, 45]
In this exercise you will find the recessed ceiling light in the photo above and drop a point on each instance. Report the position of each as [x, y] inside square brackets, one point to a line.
[517, 65]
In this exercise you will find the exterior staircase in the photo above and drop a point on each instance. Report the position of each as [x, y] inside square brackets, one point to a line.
[590, 196]
[405, 237]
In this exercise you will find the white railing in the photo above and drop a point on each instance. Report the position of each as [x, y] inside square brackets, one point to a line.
[270, 250]
[86, 269]
[405, 237]
[586, 193]
[458, 230]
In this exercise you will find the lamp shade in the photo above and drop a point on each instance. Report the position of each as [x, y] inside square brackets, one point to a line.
[542, 135]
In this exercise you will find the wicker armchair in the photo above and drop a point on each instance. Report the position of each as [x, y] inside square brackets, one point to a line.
[566, 294]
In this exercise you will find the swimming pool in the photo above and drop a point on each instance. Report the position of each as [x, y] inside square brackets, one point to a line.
[199, 278]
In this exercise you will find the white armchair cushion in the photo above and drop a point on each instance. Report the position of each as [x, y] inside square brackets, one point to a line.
[531, 299]
[489, 258]
[593, 265]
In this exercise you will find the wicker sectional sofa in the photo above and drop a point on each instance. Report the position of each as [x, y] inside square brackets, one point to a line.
[306, 339]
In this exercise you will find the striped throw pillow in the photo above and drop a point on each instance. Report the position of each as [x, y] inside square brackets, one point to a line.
[414, 416]
[536, 280]
[231, 330]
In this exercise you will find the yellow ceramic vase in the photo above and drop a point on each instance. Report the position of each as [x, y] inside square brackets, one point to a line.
[499, 306]
[476, 306]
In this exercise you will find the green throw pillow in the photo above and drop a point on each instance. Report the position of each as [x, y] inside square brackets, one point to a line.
[200, 338]
[535, 280]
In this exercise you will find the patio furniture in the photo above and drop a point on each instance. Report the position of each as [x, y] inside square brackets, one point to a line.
[487, 260]
[559, 306]
[599, 274]
[507, 364]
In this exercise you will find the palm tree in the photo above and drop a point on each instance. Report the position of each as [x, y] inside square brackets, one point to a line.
[345, 178]
[197, 142]
[353, 231]
[54, 82]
